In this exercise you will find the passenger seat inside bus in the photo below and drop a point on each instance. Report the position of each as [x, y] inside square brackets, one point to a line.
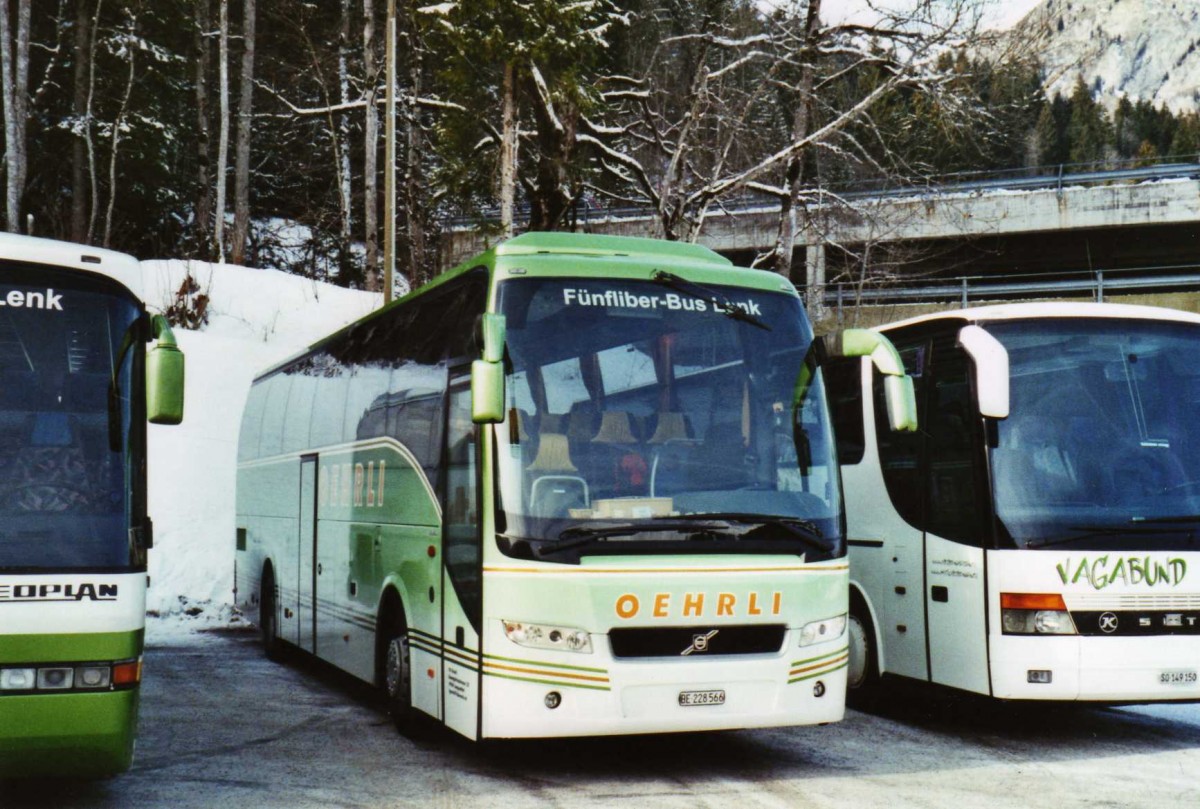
[555, 485]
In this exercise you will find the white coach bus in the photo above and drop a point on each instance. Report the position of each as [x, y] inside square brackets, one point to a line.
[1037, 537]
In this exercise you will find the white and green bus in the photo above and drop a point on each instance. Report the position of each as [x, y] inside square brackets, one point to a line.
[77, 386]
[577, 485]
[1036, 539]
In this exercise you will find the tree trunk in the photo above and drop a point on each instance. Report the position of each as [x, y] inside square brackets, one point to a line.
[14, 85]
[79, 111]
[223, 137]
[508, 151]
[203, 51]
[370, 151]
[552, 196]
[93, 185]
[414, 210]
[789, 225]
[241, 173]
[118, 125]
[345, 259]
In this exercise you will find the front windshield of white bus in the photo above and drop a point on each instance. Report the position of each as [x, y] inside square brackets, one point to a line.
[64, 492]
[644, 415]
[1102, 445]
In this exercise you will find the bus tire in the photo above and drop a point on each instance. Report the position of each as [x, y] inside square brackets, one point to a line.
[268, 616]
[862, 674]
[397, 677]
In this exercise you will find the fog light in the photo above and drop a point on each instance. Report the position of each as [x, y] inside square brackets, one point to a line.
[1040, 675]
[55, 679]
[92, 677]
[553, 700]
[17, 679]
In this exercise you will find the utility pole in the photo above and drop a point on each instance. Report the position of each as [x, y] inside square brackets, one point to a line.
[389, 168]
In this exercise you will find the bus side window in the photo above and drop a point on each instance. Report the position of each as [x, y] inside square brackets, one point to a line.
[299, 407]
[248, 441]
[843, 387]
[274, 415]
[900, 452]
[329, 404]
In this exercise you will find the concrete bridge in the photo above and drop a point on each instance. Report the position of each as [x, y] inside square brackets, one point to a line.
[1054, 222]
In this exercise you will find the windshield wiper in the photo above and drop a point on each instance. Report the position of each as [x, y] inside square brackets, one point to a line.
[701, 292]
[1177, 518]
[579, 535]
[804, 530]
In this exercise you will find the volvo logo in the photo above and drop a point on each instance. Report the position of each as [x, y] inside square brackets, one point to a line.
[1108, 622]
[700, 642]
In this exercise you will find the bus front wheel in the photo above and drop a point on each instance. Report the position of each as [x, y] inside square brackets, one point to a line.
[862, 677]
[268, 616]
[397, 678]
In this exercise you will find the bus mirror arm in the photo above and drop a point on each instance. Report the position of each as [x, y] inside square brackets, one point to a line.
[990, 358]
[897, 386]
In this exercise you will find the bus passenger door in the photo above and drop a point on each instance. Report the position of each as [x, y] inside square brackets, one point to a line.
[306, 554]
[956, 522]
[461, 571]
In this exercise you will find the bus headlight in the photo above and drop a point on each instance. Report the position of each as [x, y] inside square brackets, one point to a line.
[542, 636]
[17, 679]
[1035, 614]
[823, 630]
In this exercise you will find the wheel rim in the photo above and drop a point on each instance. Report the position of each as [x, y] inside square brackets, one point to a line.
[856, 672]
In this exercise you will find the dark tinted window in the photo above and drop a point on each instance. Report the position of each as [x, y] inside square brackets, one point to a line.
[843, 385]
[900, 452]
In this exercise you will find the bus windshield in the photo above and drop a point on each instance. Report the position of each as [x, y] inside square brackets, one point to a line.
[643, 414]
[1102, 445]
[64, 494]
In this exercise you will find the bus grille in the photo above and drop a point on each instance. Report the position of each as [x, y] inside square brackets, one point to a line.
[697, 642]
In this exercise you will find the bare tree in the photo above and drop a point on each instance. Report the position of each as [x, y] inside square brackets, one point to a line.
[241, 172]
[223, 137]
[370, 149]
[128, 45]
[202, 63]
[79, 206]
[14, 86]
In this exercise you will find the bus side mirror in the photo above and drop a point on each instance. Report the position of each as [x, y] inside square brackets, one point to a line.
[897, 386]
[487, 374]
[164, 376]
[991, 370]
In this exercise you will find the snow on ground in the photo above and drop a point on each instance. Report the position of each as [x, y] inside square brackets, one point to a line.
[256, 318]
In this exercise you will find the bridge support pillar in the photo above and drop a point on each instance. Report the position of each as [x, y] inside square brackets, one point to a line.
[814, 279]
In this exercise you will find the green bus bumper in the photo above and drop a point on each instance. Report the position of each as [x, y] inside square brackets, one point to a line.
[73, 735]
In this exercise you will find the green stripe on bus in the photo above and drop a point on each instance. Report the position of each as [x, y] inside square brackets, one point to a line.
[818, 673]
[840, 651]
[544, 663]
[547, 682]
[71, 648]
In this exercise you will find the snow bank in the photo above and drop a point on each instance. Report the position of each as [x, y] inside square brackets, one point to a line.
[256, 318]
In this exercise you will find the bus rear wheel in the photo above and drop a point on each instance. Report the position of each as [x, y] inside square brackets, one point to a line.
[268, 617]
[862, 674]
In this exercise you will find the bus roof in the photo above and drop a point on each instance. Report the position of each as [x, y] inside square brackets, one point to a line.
[586, 244]
[122, 268]
[1050, 309]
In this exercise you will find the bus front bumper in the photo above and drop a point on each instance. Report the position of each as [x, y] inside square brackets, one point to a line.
[72, 735]
[801, 687]
[1099, 669]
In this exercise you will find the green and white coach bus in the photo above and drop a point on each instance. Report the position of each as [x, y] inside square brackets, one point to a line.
[77, 386]
[577, 485]
[1036, 539]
